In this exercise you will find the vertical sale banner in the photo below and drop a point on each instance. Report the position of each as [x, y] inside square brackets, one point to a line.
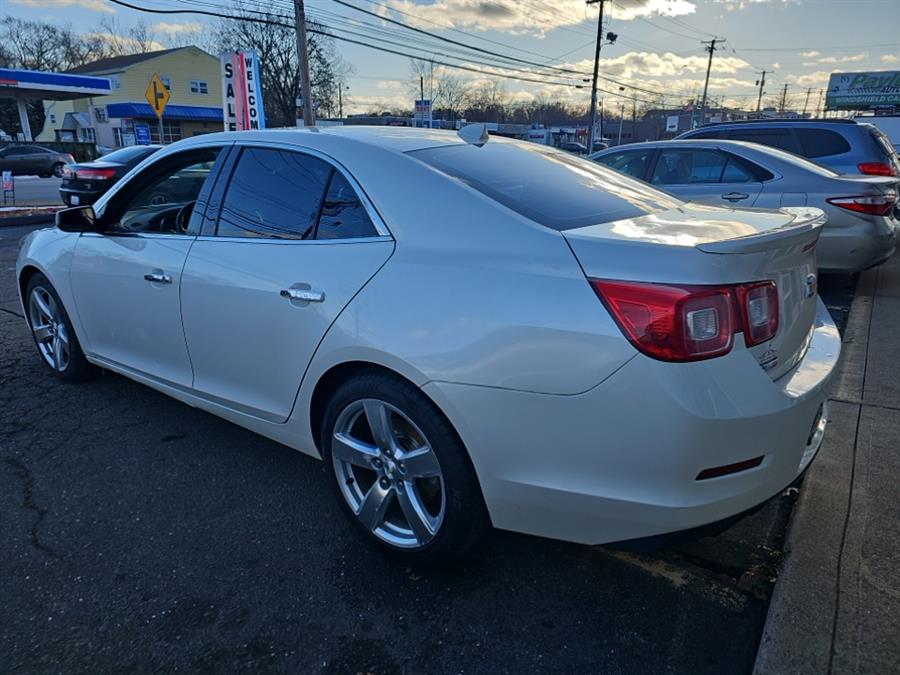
[242, 104]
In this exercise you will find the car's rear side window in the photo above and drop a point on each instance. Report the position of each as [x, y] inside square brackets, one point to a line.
[550, 187]
[821, 142]
[775, 138]
[274, 194]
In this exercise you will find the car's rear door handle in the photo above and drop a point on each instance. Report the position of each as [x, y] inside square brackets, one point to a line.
[158, 277]
[735, 196]
[303, 294]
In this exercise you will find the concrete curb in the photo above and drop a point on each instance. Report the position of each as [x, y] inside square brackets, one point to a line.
[18, 221]
[801, 633]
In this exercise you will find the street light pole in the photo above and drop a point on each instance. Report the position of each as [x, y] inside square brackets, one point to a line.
[593, 120]
[306, 103]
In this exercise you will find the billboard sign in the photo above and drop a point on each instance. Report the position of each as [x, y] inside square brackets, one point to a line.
[242, 104]
[671, 123]
[861, 91]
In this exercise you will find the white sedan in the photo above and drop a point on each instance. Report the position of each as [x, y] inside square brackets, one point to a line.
[467, 333]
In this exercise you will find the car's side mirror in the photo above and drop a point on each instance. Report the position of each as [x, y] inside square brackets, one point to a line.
[77, 219]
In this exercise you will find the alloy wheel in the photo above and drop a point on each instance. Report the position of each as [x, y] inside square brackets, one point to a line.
[388, 473]
[49, 328]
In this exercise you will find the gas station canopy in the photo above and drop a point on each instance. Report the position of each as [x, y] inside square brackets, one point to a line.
[25, 84]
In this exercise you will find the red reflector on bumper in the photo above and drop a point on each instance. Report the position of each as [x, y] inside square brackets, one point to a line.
[717, 471]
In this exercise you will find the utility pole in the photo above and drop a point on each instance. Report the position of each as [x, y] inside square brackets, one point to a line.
[761, 83]
[634, 119]
[621, 119]
[340, 102]
[421, 88]
[806, 102]
[593, 120]
[819, 111]
[305, 104]
[711, 49]
[783, 98]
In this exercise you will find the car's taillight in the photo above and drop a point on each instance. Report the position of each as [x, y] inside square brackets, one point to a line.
[690, 323]
[874, 205]
[877, 169]
[95, 174]
[759, 303]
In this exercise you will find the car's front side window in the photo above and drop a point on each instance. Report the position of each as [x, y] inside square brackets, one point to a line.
[161, 198]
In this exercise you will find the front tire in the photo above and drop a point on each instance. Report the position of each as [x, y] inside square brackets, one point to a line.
[53, 333]
[399, 470]
[58, 169]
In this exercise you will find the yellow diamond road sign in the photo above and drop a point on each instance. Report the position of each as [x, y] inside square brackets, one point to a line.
[157, 95]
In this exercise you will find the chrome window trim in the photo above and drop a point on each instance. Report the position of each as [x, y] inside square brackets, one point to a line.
[275, 240]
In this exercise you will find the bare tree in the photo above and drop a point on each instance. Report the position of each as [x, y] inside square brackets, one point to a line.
[279, 68]
[449, 95]
[421, 78]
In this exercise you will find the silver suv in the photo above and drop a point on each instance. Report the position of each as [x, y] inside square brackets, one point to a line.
[844, 146]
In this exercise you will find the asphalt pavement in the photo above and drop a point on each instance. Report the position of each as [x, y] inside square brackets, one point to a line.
[35, 191]
[138, 534]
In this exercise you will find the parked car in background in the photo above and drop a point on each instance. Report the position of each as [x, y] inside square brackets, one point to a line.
[26, 160]
[862, 210]
[579, 356]
[597, 146]
[5, 136]
[843, 146]
[84, 182]
[573, 146]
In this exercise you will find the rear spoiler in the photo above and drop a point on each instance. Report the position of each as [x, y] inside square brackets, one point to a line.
[804, 228]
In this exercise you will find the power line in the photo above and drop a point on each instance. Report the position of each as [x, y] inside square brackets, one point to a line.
[336, 37]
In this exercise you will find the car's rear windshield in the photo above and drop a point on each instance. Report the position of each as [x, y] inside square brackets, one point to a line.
[126, 155]
[546, 185]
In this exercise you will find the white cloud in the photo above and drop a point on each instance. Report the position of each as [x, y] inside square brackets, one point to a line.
[513, 16]
[185, 27]
[126, 44]
[890, 58]
[92, 5]
[389, 85]
[816, 80]
[853, 58]
[811, 53]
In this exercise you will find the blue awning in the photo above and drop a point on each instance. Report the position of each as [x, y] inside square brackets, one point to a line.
[173, 112]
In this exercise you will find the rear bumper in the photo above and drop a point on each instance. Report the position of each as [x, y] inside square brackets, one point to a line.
[84, 196]
[622, 460]
[856, 248]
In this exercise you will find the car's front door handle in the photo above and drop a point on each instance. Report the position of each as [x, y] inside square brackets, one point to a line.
[158, 277]
[303, 294]
[735, 196]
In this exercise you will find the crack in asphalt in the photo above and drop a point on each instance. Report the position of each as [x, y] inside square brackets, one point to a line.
[13, 313]
[29, 503]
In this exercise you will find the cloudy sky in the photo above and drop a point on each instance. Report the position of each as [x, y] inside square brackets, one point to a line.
[658, 51]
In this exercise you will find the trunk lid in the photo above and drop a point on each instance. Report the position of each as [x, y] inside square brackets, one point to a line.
[708, 245]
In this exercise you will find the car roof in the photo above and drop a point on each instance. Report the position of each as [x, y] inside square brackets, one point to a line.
[783, 122]
[397, 139]
[701, 142]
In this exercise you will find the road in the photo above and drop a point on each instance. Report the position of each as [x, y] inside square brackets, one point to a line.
[34, 191]
[139, 534]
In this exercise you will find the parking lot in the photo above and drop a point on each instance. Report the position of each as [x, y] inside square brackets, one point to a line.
[139, 534]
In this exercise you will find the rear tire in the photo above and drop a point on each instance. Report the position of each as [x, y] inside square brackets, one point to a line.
[53, 334]
[404, 480]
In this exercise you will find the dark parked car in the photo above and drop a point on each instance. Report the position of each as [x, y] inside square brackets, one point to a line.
[573, 146]
[25, 160]
[84, 183]
[844, 146]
